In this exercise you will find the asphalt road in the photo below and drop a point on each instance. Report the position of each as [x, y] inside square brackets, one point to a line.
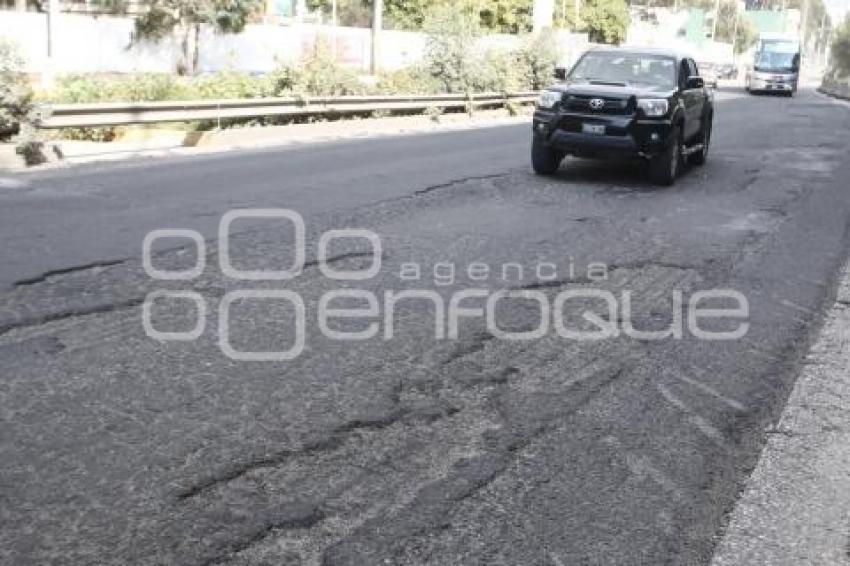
[119, 449]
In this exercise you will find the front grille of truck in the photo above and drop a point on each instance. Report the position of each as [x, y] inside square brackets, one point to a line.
[613, 106]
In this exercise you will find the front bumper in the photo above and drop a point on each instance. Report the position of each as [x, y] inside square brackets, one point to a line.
[625, 136]
[779, 84]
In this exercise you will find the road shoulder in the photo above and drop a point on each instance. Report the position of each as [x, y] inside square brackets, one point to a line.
[165, 142]
[795, 508]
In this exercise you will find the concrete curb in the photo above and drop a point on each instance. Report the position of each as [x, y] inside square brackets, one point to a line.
[795, 508]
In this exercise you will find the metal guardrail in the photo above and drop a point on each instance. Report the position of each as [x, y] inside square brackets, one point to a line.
[125, 113]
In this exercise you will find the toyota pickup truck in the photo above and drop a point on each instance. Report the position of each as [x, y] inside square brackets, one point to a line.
[646, 104]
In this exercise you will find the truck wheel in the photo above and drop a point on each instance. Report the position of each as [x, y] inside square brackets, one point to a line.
[699, 157]
[664, 167]
[544, 159]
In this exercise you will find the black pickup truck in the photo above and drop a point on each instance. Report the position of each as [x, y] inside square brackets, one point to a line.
[649, 104]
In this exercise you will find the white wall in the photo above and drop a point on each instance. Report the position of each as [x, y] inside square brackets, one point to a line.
[102, 44]
[84, 44]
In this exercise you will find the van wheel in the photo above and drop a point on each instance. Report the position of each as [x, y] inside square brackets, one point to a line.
[544, 159]
[664, 167]
[699, 157]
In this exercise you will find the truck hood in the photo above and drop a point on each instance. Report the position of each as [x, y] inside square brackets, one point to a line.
[584, 88]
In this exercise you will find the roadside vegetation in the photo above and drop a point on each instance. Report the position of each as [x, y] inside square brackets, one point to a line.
[599, 18]
[19, 115]
[841, 48]
[454, 63]
[456, 60]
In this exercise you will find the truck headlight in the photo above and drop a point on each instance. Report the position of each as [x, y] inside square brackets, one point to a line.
[548, 99]
[653, 106]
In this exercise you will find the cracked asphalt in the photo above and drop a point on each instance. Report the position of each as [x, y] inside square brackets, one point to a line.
[119, 449]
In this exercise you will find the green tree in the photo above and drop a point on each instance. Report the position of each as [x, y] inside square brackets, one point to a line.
[500, 16]
[565, 15]
[164, 17]
[841, 47]
[352, 13]
[505, 16]
[605, 21]
[733, 27]
[408, 14]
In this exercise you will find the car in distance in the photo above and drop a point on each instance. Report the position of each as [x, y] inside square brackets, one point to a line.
[727, 71]
[708, 72]
[649, 104]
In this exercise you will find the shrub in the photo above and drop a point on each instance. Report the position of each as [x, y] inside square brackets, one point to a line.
[320, 75]
[130, 88]
[282, 79]
[231, 84]
[19, 116]
[434, 113]
[100, 134]
[498, 70]
[538, 55]
[450, 48]
[150, 86]
[412, 80]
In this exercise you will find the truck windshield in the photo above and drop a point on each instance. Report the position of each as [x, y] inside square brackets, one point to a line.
[626, 68]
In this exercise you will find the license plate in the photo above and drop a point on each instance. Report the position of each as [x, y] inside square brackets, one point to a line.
[598, 129]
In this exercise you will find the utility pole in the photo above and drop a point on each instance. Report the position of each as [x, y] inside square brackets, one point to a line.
[377, 24]
[714, 22]
[54, 9]
[735, 32]
[333, 27]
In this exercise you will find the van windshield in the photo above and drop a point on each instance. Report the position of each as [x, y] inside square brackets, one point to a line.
[777, 56]
[775, 61]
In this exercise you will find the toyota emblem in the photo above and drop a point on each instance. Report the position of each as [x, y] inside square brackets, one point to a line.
[596, 103]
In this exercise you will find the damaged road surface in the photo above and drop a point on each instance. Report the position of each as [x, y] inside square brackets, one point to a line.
[116, 448]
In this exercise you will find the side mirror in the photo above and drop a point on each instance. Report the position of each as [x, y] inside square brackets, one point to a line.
[694, 82]
[561, 73]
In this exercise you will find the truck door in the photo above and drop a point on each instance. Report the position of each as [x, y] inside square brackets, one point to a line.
[693, 99]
